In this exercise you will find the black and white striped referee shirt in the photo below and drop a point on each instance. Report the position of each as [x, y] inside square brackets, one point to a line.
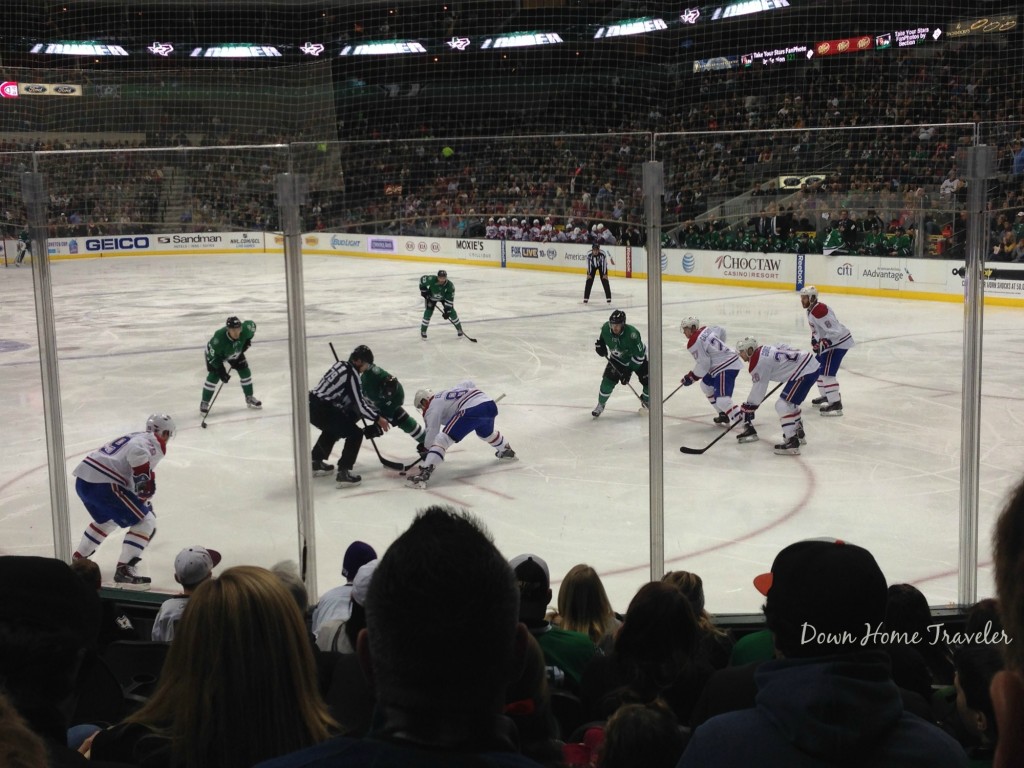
[341, 388]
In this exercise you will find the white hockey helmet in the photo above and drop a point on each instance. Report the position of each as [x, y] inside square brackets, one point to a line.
[536, 222]
[810, 291]
[688, 322]
[162, 425]
[421, 398]
[515, 220]
[747, 344]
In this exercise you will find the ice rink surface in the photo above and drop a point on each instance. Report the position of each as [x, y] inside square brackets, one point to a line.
[131, 334]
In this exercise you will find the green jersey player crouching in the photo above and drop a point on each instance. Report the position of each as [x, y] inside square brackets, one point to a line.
[386, 393]
[626, 354]
[438, 290]
[228, 346]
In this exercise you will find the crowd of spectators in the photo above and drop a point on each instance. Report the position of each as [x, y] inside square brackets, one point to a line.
[852, 667]
[812, 146]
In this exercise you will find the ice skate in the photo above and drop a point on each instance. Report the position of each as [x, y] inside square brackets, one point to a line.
[608, 301]
[126, 577]
[832, 409]
[252, 402]
[586, 301]
[423, 335]
[722, 419]
[461, 335]
[598, 410]
[790, 446]
[748, 435]
[801, 436]
[204, 407]
[645, 408]
[506, 453]
[321, 468]
[819, 400]
[419, 480]
[346, 479]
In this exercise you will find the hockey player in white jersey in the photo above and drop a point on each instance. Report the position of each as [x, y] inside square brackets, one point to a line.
[796, 369]
[450, 415]
[116, 483]
[715, 366]
[830, 341]
[491, 230]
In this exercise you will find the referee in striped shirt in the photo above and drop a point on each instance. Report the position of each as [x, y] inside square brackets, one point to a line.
[334, 407]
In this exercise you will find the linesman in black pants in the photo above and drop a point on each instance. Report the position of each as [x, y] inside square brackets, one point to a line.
[597, 264]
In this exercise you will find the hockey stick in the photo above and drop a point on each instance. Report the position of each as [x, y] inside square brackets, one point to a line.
[672, 393]
[212, 401]
[698, 451]
[463, 331]
[386, 462]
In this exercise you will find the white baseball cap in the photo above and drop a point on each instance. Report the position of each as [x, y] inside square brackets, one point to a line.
[194, 564]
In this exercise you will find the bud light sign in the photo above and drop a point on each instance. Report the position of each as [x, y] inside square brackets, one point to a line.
[134, 243]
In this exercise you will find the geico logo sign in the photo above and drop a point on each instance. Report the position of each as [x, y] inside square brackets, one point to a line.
[116, 243]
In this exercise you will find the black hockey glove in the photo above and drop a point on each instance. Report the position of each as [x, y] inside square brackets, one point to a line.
[446, 313]
[389, 387]
[248, 343]
[688, 379]
[219, 371]
[626, 376]
[371, 431]
[425, 293]
[601, 348]
[239, 362]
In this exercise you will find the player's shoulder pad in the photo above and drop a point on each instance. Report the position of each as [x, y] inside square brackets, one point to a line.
[819, 310]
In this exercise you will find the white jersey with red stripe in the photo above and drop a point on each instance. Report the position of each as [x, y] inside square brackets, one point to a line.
[825, 325]
[114, 462]
[447, 403]
[778, 363]
[710, 354]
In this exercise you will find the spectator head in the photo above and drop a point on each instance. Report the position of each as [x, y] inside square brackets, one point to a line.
[642, 734]
[88, 571]
[360, 594]
[907, 611]
[288, 572]
[820, 594]
[208, 675]
[658, 637]
[583, 604]
[19, 746]
[976, 665]
[441, 580]
[194, 565]
[358, 554]
[49, 625]
[534, 581]
[1008, 686]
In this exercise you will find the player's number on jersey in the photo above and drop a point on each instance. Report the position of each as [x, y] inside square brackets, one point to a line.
[116, 445]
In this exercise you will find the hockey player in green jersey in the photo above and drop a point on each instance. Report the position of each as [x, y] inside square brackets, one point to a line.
[386, 393]
[228, 345]
[438, 290]
[626, 354]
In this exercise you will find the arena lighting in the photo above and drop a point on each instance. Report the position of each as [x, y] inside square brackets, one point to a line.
[746, 7]
[235, 51]
[521, 40]
[383, 48]
[631, 27]
[78, 48]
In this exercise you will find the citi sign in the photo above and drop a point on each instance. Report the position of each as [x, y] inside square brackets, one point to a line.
[137, 243]
[845, 270]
